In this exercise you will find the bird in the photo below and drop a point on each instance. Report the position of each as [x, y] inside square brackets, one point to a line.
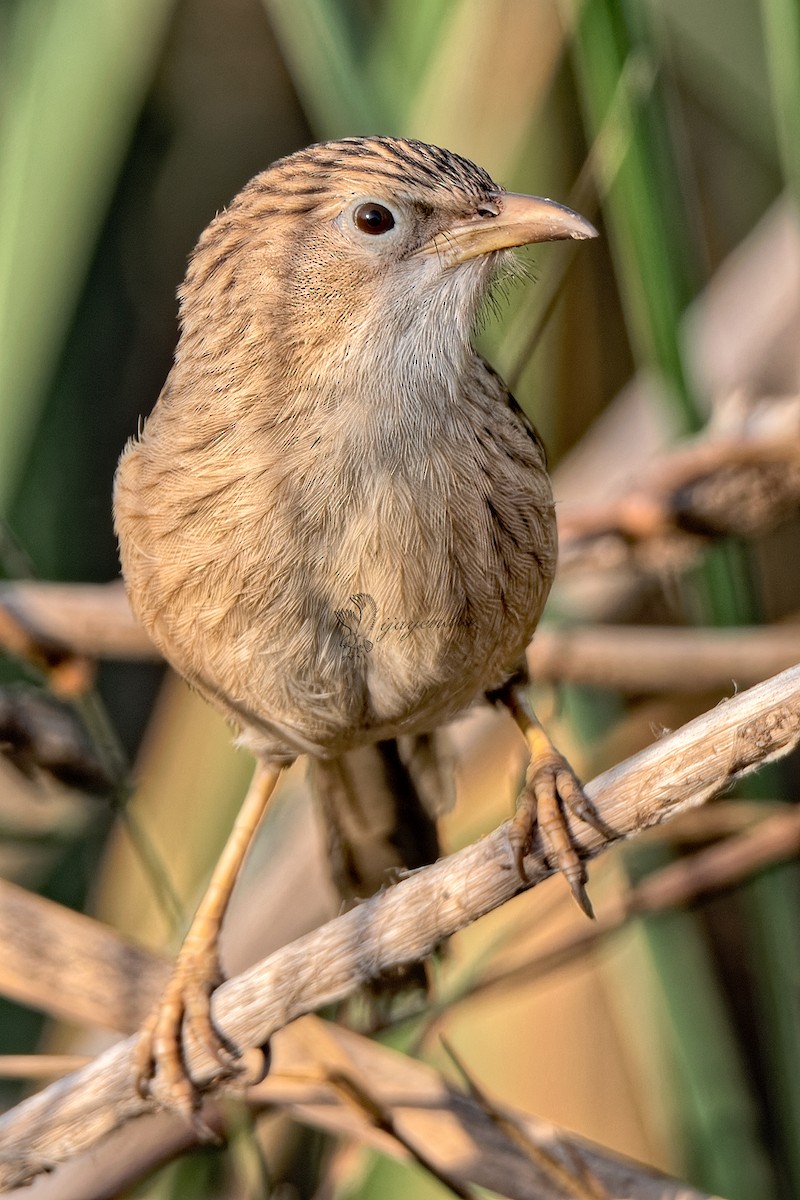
[337, 524]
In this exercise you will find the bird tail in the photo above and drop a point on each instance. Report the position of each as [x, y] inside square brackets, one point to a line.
[379, 806]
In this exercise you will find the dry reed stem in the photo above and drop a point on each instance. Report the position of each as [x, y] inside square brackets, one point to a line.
[406, 922]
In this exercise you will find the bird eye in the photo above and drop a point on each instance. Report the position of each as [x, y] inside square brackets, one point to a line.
[373, 218]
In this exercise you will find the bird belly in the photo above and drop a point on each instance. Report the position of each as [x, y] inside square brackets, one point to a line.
[385, 607]
[432, 605]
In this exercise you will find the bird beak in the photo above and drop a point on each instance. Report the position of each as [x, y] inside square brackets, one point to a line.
[508, 220]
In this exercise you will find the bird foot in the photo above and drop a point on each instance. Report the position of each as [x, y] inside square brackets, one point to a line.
[182, 1018]
[551, 795]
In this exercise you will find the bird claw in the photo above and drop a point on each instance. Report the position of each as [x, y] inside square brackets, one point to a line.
[551, 794]
[183, 1017]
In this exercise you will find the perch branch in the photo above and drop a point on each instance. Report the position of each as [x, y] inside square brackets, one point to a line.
[406, 922]
[459, 1137]
[772, 839]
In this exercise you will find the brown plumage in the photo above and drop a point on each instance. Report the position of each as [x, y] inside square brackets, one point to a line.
[337, 524]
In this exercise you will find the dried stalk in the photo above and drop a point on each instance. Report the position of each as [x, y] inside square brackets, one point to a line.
[711, 487]
[772, 839]
[662, 659]
[420, 1112]
[40, 621]
[406, 922]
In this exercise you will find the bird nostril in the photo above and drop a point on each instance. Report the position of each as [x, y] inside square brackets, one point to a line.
[488, 210]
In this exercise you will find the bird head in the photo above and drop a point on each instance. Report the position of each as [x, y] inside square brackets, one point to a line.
[358, 251]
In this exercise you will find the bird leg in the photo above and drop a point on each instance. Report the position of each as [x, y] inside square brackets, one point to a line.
[551, 794]
[184, 1005]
